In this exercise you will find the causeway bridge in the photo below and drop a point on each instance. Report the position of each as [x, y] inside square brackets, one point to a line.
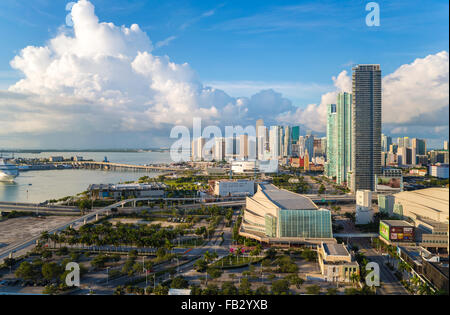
[118, 166]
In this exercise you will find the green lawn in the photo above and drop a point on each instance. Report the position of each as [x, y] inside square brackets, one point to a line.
[233, 260]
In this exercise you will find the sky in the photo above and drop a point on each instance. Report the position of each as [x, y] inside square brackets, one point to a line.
[123, 73]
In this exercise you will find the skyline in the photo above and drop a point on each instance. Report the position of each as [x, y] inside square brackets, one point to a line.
[81, 104]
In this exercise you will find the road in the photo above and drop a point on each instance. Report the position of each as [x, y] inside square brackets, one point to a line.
[390, 285]
[75, 223]
[31, 207]
[100, 286]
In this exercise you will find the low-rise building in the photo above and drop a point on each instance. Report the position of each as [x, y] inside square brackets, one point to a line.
[386, 204]
[418, 172]
[56, 159]
[364, 211]
[431, 234]
[234, 188]
[179, 292]
[244, 167]
[426, 210]
[426, 266]
[336, 263]
[255, 166]
[276, 215]
[118, 191]
[439, 171]
[431, 203]
[396, 231]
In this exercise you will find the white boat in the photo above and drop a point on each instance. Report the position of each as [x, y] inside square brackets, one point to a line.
[8, 171]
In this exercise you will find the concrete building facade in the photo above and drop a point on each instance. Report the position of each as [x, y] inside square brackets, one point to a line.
[366, 127]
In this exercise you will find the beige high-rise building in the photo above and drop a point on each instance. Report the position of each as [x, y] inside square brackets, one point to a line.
[243, 147]
[260, 138]
[197, 149]
[219, 149]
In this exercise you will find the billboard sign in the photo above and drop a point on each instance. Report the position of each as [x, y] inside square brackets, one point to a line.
[389, 183]
[384, 231]
[401, 233]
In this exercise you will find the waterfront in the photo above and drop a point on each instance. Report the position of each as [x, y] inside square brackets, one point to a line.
[137, 158]
[38, 186]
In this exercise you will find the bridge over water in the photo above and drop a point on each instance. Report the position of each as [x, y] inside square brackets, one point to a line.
[117, 166]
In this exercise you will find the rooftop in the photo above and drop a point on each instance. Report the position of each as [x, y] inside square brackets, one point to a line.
[397, 223]
[432, 223]
[333, 249]
[287, 200]
[127, 186]
[434, 198]
[416, 253]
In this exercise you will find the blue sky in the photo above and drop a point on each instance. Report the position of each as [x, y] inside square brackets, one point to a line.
[242, 47]
[260, 41]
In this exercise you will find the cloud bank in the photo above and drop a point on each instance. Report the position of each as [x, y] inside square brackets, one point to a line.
[415, 100]
[101, 81]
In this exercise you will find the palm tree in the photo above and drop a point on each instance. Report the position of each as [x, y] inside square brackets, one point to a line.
[424, 289]
[45, 236]
[415, 281]
[354, 277]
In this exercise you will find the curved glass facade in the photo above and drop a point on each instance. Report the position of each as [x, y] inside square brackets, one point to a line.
[305, 223]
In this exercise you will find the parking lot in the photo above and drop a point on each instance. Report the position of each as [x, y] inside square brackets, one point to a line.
[18, 229]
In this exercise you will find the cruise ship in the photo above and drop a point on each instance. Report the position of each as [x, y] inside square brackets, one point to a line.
[8, 171]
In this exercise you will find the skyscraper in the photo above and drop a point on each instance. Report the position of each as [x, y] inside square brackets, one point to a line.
[287, 141]
[260, 136]
[386, 142]
[309, 146]
[366, 127]
[219, 149]
[243, 147]
[418, 147]
[197, 149]
[330, 165]
[343, 137]
[406, 142]
[274, 136]
[301, 146]
[295, 134]
[231, 147]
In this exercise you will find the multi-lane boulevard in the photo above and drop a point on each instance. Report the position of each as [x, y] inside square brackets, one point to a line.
[94, 215]
[81, 220]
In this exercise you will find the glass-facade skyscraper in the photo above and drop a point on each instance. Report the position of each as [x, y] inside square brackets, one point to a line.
[295, 134]
[330, 165]
[343, 140]
[366, 127]
[339, 138]
[386, 142]
[309, 146]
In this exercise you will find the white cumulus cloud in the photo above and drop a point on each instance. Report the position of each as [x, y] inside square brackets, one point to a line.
[417, 93]
[314, 117]
[100, 79]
